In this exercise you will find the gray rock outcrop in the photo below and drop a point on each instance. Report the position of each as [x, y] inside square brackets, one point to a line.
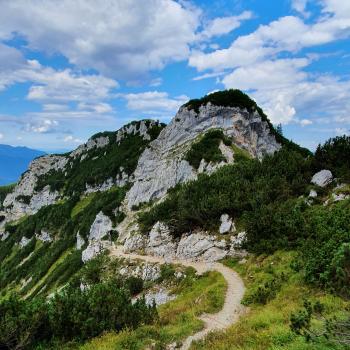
[162, 164]
[227, 224]
[322, 178]
[44, 237]
[190, 246]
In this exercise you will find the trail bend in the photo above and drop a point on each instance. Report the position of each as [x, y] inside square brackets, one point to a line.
[232, 308]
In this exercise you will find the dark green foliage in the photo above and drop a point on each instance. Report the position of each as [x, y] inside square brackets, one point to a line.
[4, 191]
[236, 190]
[24, 199]
[335, 330]
[72, 314]
[101, 164]
[335, 156]
[227, 98]
[167, 272]
[55, 219]
[266, 291]
[207, 148]
[279, 129]
[134, 285]
[325, 252]
[21, 322]
[76, 314]
[275, 226]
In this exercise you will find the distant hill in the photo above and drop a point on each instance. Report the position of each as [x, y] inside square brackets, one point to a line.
[14, 161]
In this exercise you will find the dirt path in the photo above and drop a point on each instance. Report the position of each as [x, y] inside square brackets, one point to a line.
[232, 308]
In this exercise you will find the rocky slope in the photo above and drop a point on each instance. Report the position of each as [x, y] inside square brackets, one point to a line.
[140, 163]
[162, 164]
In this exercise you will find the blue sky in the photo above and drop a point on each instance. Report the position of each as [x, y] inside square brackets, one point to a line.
[69, 69]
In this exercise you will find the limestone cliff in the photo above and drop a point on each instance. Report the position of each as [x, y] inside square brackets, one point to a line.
[162, 164]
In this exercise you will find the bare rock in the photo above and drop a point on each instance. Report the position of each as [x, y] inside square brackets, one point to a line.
[162, 164]
[101, 226]
[313, 194]
[80, 241]
[24, 241]
[227, 224]
[160, 241]
[135, 242]
[44, 236]
[322, 178]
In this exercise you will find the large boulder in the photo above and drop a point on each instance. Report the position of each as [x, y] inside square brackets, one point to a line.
[226, 225]
[322, 178]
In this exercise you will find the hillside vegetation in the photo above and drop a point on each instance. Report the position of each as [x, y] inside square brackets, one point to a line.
[297, 273]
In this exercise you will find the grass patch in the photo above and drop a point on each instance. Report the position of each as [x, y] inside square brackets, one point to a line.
[82, 204]
[240, 154]
[177, 319]
[207, 148]
[268, 326]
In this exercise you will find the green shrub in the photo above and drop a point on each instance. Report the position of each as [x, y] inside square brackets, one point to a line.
[233, 189]
[335, 156]
[325, 251]
[207, 148]
[100, 164]
[266, 291]
[72, 314]
[4, 191]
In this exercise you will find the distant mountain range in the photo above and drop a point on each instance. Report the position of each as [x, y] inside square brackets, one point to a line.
[14, 161]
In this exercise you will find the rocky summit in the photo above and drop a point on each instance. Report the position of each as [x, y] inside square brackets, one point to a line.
[156, 163]
[94, 240]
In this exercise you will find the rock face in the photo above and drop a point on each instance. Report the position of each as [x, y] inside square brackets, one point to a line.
[158, 297]
[162, 165]
[14, 206]
[146, 271]
[313, 194]
[191, 246]
[322, 178]
[100, 227]
[160, 242]
[80, 242]
[99, 239]
[26, 199]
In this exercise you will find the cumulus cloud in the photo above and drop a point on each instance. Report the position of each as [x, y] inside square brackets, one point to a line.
[43, 126]
[154, 102]
[72, 139]
[224, 25]
[123, 38]
[1, 136]
[269, 64]
[300, 6]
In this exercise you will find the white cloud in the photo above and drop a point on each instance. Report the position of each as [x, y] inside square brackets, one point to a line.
[1, 136]
[154, 102]
[122, 38]
[268, 64]
[305, 122]
[224, 25]
[267, 74]
[156, 82]
[300, 6]
[342, 131]
[71, 139]
[43, 126]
